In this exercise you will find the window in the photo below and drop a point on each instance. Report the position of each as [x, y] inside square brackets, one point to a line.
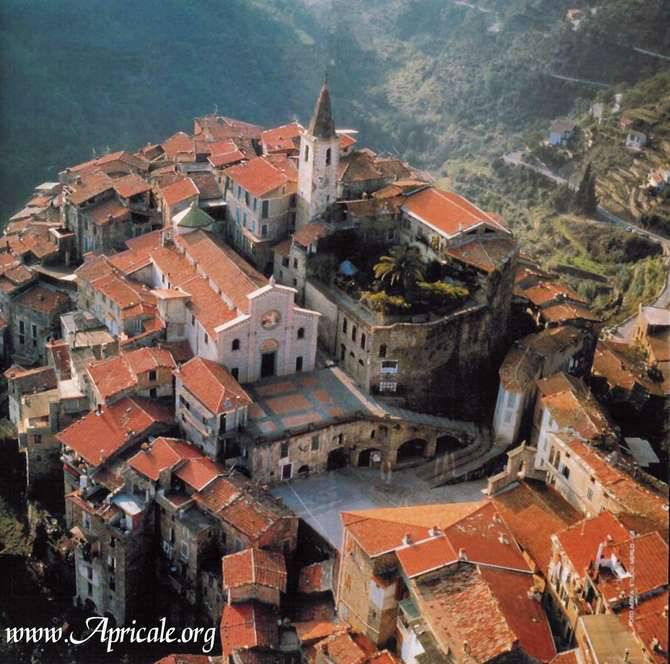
[284, 261]
[388, 387]
[206, 338]
[354, 330]
[298, 363]
[382, 350]
[390, 366]
[283, 451]
[152, 375]
[295, 263]
[34, 331]
[315, 443]
[90, 588]
[22, 327]
[264, 230]
[301, 333]
[344, 326]
[222, 423]
[265, 209]
[307, 153]
[183, 551]
[363, 340]
[565, 471]
[328, 157]
[235, 373]
[247, 199]
[511, 400]
[236, 344]
[255, 203]
[343, 352]
[192, 321]
[86, 520]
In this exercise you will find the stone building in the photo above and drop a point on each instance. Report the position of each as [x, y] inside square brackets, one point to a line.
[35, 318]
[566, 348]
[144, 372]
[261, 202]
[423, 574]
[211, 407]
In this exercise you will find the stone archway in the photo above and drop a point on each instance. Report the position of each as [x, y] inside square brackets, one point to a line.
[447, 444]
[337, 458]
[412, 449]
[303, 471]
[370, 457]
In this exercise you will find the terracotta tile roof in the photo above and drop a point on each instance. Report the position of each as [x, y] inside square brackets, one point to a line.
[534, 512]
[545, 292]
[198, 472]
[487, 255]
[25, 381]
[649, 565]
[317, 577]
[581, 540]
[218, 494]
[567, 311]
[207, 186]
[448, 212]
[248, 625]
[259, 177]
[222, 147]
[285, 138]
[131, 185]
[574, 408]
[59, 351]
[254, 567]
[485, 538]
[622, 367]
[127, 295]
[249, 516]
[89, 185]
[113, 375]
[315, 630]
[524, 615]
[43, 300]
[97, 437]
[310, 233]
[380, 530]
[232, 274]
[346, 140]
[219, 128]
[650, 623]
[342, 649]
[107, 212]
[179, 147]
[283, 248]
[161, 454]
[212, 385]
[225, 159]
[110, 160]
[179, 191]
[389, 167]
[430, 554]
[489, 609]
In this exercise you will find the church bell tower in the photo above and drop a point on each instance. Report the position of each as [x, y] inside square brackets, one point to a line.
[318, 161]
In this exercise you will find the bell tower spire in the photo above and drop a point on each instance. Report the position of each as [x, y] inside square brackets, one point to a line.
[318, 161]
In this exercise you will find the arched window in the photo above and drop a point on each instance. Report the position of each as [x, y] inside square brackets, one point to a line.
[307, 153]
[328, 157]
[236, 344]
[382, 350]
[301, 333]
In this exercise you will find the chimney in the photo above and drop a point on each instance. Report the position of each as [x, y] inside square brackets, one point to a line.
[406, 539]
[466, 647]
[145, 446]
[98, 410]
[462, 555]
[434, 532]
[626, 655]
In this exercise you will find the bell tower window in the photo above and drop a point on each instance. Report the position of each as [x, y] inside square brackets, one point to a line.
[328, 157]
[307, 153]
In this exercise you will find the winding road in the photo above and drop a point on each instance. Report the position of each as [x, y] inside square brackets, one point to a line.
[624, 331]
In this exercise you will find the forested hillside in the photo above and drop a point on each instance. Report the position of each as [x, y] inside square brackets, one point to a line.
[428, 79]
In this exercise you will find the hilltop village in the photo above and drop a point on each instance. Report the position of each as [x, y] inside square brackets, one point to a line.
[190, 325]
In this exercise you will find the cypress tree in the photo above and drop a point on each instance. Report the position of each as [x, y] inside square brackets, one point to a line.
[586, 199]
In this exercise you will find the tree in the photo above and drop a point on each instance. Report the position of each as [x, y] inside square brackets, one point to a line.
[402, 268]
[586, 199]
[563, 199]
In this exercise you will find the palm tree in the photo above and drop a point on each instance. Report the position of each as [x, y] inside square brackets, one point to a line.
[403, 267]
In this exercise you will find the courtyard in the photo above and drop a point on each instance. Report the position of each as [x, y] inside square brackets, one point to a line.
[320, 499]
